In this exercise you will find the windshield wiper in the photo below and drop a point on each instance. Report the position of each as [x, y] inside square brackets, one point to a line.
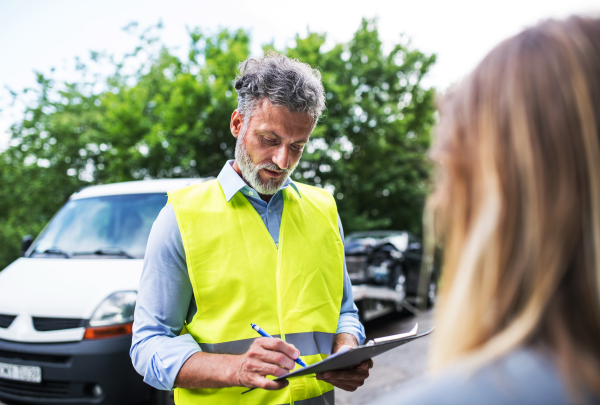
[105, 252]
[53, 251]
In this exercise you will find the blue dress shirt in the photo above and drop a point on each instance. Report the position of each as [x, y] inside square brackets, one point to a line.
[165, 298]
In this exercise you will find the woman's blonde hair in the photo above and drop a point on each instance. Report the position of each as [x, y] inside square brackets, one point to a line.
[517, 203]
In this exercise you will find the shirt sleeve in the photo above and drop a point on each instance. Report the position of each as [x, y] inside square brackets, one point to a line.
[348, 321]
[158, 351]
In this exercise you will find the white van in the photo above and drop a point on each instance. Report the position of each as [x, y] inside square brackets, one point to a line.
[66, 307]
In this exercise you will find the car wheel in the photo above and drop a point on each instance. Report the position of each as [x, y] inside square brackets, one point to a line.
[161, 397]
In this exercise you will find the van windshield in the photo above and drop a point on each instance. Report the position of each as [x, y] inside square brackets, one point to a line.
[112, 226]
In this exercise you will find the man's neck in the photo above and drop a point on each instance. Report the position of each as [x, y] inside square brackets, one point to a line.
[265, 197]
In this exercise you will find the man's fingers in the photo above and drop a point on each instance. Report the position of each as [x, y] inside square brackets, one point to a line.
[279, 345]
[272, 357]
[358, 373]
[345, 384]
[277, 385]
[267, 356]
[367, 364]
[262, 368]
[349, 383]
[267, 384]
[274, 370]
[349, 379]
[355, 374]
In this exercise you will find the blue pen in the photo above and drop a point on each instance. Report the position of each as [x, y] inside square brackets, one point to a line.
[265, 334]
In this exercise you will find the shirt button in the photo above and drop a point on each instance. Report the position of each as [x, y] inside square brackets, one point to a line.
[270, 211]
[250, 193]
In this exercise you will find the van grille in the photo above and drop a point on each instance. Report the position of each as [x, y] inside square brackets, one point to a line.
[34, 357]
[6, 320]
[48, 324]
[46, 389]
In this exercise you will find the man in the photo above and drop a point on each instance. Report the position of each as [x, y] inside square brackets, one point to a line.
[250, 246]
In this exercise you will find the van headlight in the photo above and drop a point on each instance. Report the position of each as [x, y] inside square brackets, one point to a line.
[116, 309]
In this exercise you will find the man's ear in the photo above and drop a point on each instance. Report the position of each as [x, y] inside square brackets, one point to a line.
[236, 123]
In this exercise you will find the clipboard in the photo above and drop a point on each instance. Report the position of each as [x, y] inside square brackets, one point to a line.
[351, 357]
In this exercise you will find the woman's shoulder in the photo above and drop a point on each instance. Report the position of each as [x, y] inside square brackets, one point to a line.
[524, 376]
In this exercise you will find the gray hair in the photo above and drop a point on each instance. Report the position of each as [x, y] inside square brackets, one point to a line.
[283, 81]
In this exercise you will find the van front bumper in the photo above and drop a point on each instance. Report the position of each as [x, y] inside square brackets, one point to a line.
[87, 372]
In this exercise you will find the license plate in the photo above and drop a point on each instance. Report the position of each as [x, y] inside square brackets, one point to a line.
[21, 373]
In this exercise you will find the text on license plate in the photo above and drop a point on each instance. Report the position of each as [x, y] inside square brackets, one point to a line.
[21, 373]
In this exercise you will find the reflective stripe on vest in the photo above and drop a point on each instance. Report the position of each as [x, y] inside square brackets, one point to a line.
[309, 343]
[239, 276]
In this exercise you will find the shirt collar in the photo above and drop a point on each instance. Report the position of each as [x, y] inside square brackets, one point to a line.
[231, 182]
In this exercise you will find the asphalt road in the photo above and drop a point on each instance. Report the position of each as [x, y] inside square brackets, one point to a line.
[396, 367]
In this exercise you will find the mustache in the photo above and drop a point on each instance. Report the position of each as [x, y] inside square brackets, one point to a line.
[274, 167]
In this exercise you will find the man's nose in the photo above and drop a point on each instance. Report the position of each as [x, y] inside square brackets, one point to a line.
[281, 157]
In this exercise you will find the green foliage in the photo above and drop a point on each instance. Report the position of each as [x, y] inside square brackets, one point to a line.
[29, 197]
[372, 145]
[170, 118]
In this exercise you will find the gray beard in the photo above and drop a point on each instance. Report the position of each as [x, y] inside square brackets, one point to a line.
[250, 170]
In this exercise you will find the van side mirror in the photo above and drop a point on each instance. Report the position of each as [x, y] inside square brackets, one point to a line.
[26, 244]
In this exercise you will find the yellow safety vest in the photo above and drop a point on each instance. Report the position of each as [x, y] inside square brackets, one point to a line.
[240, 276]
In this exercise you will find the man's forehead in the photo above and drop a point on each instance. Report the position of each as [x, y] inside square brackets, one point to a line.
[281, 122]
[265, 108]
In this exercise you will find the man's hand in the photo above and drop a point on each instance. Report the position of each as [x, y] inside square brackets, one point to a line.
[266, 357]
[349, 379]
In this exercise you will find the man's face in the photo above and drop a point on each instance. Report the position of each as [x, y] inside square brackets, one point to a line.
[269, 148]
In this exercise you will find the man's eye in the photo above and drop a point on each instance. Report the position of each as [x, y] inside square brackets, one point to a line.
[298, 147]
[270, 141]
